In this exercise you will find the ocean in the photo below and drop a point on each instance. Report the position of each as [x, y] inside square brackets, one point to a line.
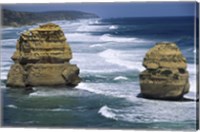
[109, 53]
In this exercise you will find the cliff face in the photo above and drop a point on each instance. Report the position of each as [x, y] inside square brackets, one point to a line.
[42, 59]
[17, 18]
[165, 76]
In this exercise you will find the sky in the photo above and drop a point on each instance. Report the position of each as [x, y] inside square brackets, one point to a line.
[113, 10]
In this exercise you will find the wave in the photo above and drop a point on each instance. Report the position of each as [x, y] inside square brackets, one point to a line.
[96, 63]
[123, 58]
[60, 109]
[91, 28]
[81, 25]
[110, 38]
[38, 109]
[114, 90]
[87, 37]
[12, 106]
[94, 21]
[4, 75]
[5, 68]
[107, 112]
[8, 28]
[56, 92]
[10, 42]
[43, 109]
[81, 37]
[84, 86]
[120, 78]
[113, 27]
[149, 111]
[47, 93]
[192, 80]
[95, 45]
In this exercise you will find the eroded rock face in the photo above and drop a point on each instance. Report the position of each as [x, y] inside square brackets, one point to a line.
[165, 76]
[42, 59]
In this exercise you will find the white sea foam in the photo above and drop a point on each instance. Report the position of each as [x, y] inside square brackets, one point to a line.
[107, 112]
[8, 28]
[96, 64]
[96, 45]
[6, 41]
[56, 92]
[4, 75]
[84, 25]
[39, 109]
[94, 21]
[60, 109]
[192, 80]
[87, 37]
[144, 110]
[84, 86]
[12, 106]
[120, 78]
[114, 90]
[150, 111]
[91, 28]
[46, 93]
[5, 68]
[47, 109]
[81, 37]
[123, 58]
[113, 27]
[6, 64]
[110, 38]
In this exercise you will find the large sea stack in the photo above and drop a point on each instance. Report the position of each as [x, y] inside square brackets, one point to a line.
[42, 59]
[165, 76]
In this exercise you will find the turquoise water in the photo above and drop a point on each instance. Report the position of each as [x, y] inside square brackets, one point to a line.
[109, 53]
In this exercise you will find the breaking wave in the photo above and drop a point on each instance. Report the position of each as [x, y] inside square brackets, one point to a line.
[87, 37]
[110, 38]
[95, 45]
[113, 27]
[38, 109]
[107, 112]
[12, 106]
[123, 58]
[120, 78]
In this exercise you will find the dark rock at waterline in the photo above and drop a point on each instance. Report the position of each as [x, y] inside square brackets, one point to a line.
[42, 59]
[182, 99]
[165, 76]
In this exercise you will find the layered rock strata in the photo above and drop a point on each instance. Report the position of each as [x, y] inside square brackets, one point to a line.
[165, 76]
[42, 59]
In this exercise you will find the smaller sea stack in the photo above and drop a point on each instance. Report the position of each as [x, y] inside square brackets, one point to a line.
[165, 76]
[42, 59]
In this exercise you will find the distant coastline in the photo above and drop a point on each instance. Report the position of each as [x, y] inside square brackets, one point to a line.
[18, 18]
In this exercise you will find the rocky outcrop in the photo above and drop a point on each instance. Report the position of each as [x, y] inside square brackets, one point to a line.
[42, 59]
[165, 76]
[21, 18]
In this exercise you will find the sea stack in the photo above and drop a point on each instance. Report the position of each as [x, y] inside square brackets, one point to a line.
[165, 76]
[42, 59]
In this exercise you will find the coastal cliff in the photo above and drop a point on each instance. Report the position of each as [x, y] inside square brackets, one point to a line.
[165, 76]
[19, 18]
[42, 59]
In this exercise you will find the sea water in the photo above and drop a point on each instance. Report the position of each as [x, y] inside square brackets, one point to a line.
[109, 53]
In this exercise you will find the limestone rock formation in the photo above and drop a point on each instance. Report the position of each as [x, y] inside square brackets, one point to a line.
[165, 76]
[42, 59]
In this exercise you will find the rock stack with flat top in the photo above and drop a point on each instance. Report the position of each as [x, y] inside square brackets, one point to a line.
[165, 76]
[42, 59]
